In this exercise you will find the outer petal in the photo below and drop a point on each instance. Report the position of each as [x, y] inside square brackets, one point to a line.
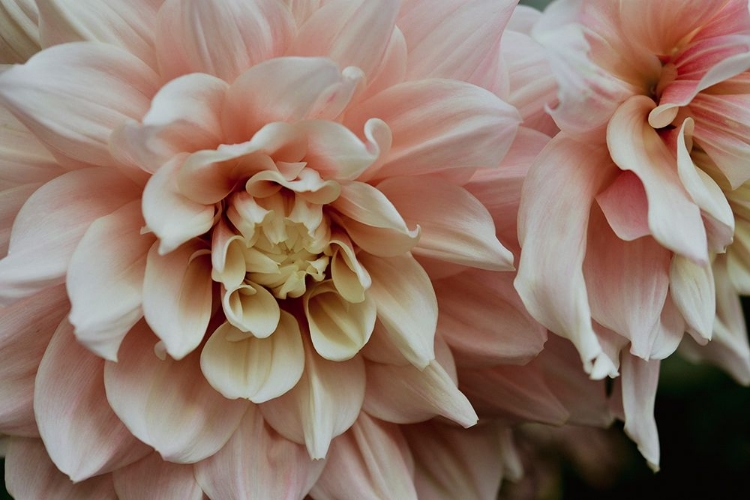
[168, 404]
[258, 463]
[406, 305]
[129, 25]
[26, 328]
[52, 222]
[19, 34]
[30, 473]
[693, 291]
[80, 431]
[253, 368]
[555, 222]
[52, 95]
[323, 404]
[177, 292]
[639, 380]
[220, 38]
[373, 459]
[105, 279]
[674, 219]
[438, 125]
[154, 477]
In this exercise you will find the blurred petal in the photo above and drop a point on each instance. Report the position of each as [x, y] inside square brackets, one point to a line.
[154, 477]
[19, 34]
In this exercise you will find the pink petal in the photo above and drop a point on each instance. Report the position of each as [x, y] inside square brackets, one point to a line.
[625, 206]
[52, 95]
[173, 217]
[373, 459]
[177, 294]
[11, 201]
[456, 39]
[693, 291]
[352, 33]
[438, 125]
[168, 404]
[639, 380]
[406, 305]
[457, 463]
[153, 477]
[19, 34]
[627, 282]
[258, 463]
[30, 473]
[455, 226]
[185, 116]
[323, 404]
[26, 328]
[554, 221]
[253, 368]
[52, 222]
[105, 279]
[220, 38]
[673, 218]
[82, 434]
[129, 25]
[23, 159]
[668, 334]
[406, 394]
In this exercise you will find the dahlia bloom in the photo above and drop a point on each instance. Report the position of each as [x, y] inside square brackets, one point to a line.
[236, 228]
[625, 219]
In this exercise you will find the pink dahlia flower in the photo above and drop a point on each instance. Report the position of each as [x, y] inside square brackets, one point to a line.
[236, 228]
[625, 218]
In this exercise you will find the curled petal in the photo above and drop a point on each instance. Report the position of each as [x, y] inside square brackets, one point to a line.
[253, 368]
[227, 256]
[349, 276]
[252, 308]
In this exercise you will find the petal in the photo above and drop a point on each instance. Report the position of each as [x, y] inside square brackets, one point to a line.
[673, 217]
[73, 96]
[168, 404]
[373, 459]
[323, 404]
[128, 25]
[555, 222]
[156, 478]
[484, 321]
[11, 201]
[220, 38]
[338, 328]
[406, 305]
[173, 217]
[30, 473]
[177, 293]
[639, 380]
[19, 34]
[456, 39]
[352, 33]
[349, 276]
[253, 368]
[693, 291]
[668, 334]
[455, 226]
[258, 463]
[105, 280]
[251, 308]
[438, 125]
[406, 394]
[26, 328]
[52, 222]
[625, 206]
[82, 434]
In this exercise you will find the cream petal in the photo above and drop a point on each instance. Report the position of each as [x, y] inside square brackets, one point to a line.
[19, 32]
[173, 217]
[308, 185]
[177, 294]
[324, 403]
[406, 305]
[26, 328]
[455, 226]
[52, 222]
[373, 459]
[105, 280]
[338, 328]
[258, 463]
[31, 474]
[52, 95]
[253, 368]
[82, 434]
[251, 308]
[693, 291]
[154, 477]
[639, 381]
[227, 256]
[129, 25]
[349, 277]
[168, 404]
[220, 38]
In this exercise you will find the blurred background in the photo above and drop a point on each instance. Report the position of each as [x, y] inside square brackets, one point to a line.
[704, 427]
